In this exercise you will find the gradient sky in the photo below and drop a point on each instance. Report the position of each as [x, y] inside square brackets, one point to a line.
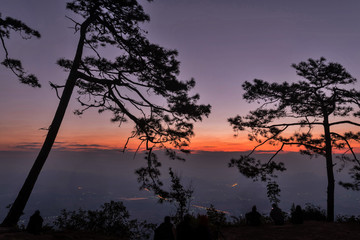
[221, 43]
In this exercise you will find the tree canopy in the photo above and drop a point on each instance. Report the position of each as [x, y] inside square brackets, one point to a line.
[124, 84]
[304, 114]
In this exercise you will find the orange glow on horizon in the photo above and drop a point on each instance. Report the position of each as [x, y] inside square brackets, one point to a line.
[115, 139]
[198, 145]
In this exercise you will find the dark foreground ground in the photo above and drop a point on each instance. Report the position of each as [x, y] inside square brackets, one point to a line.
[309, 230]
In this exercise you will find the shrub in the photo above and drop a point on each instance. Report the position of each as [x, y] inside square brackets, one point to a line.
[215, 216]
[348, 219]
[312, 212]
[111, 219]
[237, 221]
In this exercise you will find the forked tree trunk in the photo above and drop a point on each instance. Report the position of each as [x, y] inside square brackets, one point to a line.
[330, 172]
[19, 204]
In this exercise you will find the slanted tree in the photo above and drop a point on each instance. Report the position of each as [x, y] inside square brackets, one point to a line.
[122, 84]
[7, 26]
[306, 114]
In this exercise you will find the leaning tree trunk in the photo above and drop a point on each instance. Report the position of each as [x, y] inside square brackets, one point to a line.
[19, 204]
[330, 172]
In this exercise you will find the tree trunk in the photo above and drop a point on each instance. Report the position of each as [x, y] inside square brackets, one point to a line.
[330, 172]
[19, 204]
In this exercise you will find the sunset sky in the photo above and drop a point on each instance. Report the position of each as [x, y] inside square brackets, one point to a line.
[221, 43]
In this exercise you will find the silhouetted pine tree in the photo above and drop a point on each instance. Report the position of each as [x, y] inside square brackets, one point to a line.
[291, 112]
[121, 85]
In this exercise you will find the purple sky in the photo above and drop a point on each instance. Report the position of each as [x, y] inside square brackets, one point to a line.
[221, 43]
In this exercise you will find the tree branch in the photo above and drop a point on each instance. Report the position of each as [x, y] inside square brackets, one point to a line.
[349, 146]
[267, 140]
[344, 122]
[293, 124]
[279, 150]
[93, 79]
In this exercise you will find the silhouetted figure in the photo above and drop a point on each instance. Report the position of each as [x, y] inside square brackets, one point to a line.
[184, 230]
[253, 218]
[35, 223]
[277, 215]
[165, 231]
[203, 230]
[297, 216]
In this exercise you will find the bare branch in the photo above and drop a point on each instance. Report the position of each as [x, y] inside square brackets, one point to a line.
[273, 156]
[349, 146]
[275, 135]
[93, 79]
[56, 87]
[292, 124]
[4, 47]
[345, 122]
[121, 106]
